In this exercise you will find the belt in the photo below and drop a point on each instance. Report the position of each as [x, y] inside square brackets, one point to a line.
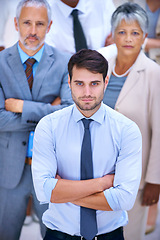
[61, 235]
[28, 160]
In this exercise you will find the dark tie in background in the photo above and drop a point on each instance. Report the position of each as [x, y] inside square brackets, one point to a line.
[29, 71]
[88, 222]
[79, 37]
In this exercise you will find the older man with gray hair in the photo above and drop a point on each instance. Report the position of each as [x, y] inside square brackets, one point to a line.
[33, 76]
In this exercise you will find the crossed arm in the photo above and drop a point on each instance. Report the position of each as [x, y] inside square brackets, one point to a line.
[86, 193]
[16, 105]
[152, 43]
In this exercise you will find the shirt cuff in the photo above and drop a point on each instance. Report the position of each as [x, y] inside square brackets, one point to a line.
[111, 200]
[49, 185]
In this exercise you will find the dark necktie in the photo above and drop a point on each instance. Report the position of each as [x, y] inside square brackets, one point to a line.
[29, 71]
[88, 222]
[79, 37]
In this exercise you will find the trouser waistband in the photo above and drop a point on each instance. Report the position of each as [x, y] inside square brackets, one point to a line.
[61, 235]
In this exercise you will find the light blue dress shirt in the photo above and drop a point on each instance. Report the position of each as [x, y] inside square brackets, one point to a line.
[24, 57]
[116, 146]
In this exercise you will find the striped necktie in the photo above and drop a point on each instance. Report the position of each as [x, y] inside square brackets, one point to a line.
[29, 71]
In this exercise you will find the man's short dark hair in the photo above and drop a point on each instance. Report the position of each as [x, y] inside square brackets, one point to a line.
[91, 60]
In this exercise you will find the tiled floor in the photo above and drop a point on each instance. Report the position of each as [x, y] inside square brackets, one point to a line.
[32, 232]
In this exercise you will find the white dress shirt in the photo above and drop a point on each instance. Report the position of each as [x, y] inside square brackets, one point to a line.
[116, 147]
[94, 15]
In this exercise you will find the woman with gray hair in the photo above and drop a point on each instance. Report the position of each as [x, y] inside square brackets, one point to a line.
[134, 90]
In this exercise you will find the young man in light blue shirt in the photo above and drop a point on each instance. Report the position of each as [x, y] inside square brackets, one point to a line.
[116, 156]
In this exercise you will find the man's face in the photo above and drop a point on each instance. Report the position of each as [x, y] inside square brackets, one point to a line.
[87, 90]
[71, 3]
[32, 27]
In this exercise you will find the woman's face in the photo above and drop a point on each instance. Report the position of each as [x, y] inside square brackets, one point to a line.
[128, 38]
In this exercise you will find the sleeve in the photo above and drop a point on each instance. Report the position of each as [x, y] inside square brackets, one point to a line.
[10, 121]
[50, 36]
[44, 164]
[108, 8]
[153, 166]
[127, 171]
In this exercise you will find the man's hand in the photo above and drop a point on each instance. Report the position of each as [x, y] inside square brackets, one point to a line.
[107, 181]
[95, 200]
[150, 194]
[109, 40]
[57, 176]
[151, 43]
[14, 105]
[71, 190]
[57, 101]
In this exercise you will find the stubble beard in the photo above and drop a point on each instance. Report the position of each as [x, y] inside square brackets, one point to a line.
[87, 106]
[25, 44]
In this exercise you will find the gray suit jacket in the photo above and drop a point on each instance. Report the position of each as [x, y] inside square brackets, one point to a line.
[50, 81]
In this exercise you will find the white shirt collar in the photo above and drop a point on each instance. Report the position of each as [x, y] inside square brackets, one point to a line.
[97, 116]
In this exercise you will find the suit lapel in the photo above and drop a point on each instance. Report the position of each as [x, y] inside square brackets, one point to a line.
[130, 82]
[131, 79]
[16, 66]
[43, 67]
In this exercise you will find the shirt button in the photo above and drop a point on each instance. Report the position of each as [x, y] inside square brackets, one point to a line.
[117, 109]
[24, 143]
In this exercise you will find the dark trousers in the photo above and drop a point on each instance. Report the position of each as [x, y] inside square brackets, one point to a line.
[115, 235]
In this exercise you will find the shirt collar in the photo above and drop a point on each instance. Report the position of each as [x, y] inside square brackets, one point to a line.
[66, 10]
[97, 116]
[25, 56]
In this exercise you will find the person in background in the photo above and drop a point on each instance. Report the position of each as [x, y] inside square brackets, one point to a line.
[152, 49]
[151, 45]
[8, 35]
[134, 91]
[90, 176]
[32, 76]
[94, 17]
